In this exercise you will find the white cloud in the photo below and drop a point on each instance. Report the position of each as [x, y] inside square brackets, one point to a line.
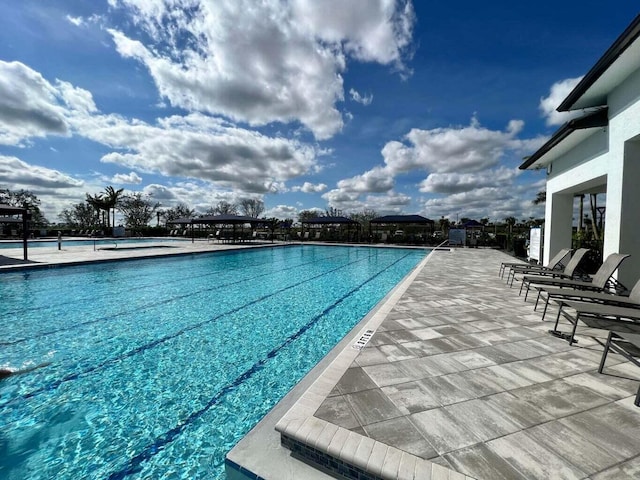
[15, 173]
[263, 62]
[496, 203]
[464, 149]
[282, 212]
[363, 99]
[376, 180]
[77, 21]
[194, 146]
[127, 178]
[308, 187]
[202, 148]
[29, 105]
[448, 183]
[557, 94]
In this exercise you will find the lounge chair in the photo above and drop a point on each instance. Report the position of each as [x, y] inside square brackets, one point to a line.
[507, 265]
[556, 263]
[600, 282]
[597, 315]
[623, 343]
[317, 237]
[568, 272]
[559, 295]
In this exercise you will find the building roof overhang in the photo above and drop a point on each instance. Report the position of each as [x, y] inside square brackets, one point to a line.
[618, 62]
[567, 137]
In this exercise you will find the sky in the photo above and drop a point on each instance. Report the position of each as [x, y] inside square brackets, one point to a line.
[397, 106]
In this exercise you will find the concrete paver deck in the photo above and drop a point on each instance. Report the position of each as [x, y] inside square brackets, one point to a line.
[462, 372]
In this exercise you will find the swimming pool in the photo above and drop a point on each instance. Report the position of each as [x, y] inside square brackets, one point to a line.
[89, 242]
[158, 367]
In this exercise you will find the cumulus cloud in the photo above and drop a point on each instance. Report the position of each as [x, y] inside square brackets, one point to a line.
[262, 62]
[496, 203]
[308, 187]
[448, 183]
[29, 105]
[464, 149]
[557, 94]
[363, 99]
[127, 178]
[200, 147]
[195, 146]
[282, 212]
[376, 180]
[20, 174]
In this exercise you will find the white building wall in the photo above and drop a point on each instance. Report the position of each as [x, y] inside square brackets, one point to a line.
[609, 158]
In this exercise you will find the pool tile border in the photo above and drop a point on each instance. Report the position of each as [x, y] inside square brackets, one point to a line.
[342, 451]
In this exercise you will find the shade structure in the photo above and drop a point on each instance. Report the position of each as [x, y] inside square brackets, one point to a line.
[337, 220]
[403, 220]
[415, 219]
[329, 221]
[225, 219]
[473, 224]
[8, 212]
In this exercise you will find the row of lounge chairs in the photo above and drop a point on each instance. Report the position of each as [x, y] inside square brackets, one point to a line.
[599, 301]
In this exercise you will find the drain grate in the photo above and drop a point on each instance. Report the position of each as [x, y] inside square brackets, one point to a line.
[364, 338]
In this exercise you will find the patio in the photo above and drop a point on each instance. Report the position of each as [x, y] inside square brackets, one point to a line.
[462, 373]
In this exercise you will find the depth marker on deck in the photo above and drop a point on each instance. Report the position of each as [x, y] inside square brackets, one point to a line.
[362, 341]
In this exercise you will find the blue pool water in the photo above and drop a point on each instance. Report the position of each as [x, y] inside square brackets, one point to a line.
[158, 367]
[88, 242]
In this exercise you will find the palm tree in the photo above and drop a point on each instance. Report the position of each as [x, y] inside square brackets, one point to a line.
[97, 202]
[111, 199]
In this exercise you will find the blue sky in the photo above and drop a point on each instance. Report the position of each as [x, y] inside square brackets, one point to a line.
[396, 106]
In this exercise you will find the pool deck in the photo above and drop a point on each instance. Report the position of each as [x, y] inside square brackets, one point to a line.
[12, 258]
[460, 380]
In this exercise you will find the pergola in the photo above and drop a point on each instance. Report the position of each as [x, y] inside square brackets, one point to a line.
[402, 220]
[329, 221]
[7, 215]
[226, 219]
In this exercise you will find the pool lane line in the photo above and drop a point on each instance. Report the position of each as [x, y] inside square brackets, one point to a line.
[155, 343]
[148, 286]
[167, 437]
[158, 303]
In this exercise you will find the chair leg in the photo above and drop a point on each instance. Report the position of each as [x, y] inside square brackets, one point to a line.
[604, 354]
[535, 307]
[521, 285]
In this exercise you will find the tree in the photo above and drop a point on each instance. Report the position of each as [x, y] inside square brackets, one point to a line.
[541, 197]
[305, 215]
[445, 223]
[364, 217]
[510, 221]
[24, 199]
[179, 211]
[332, 212]
[223, 208]
[80, 215]
[252, 207]
[97, 202]
[137, 210]
[110, 201]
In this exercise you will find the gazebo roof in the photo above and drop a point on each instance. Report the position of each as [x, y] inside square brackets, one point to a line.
[472, 224]
[329, 220]
[419, 219]
[9, 210]
[228, 219]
